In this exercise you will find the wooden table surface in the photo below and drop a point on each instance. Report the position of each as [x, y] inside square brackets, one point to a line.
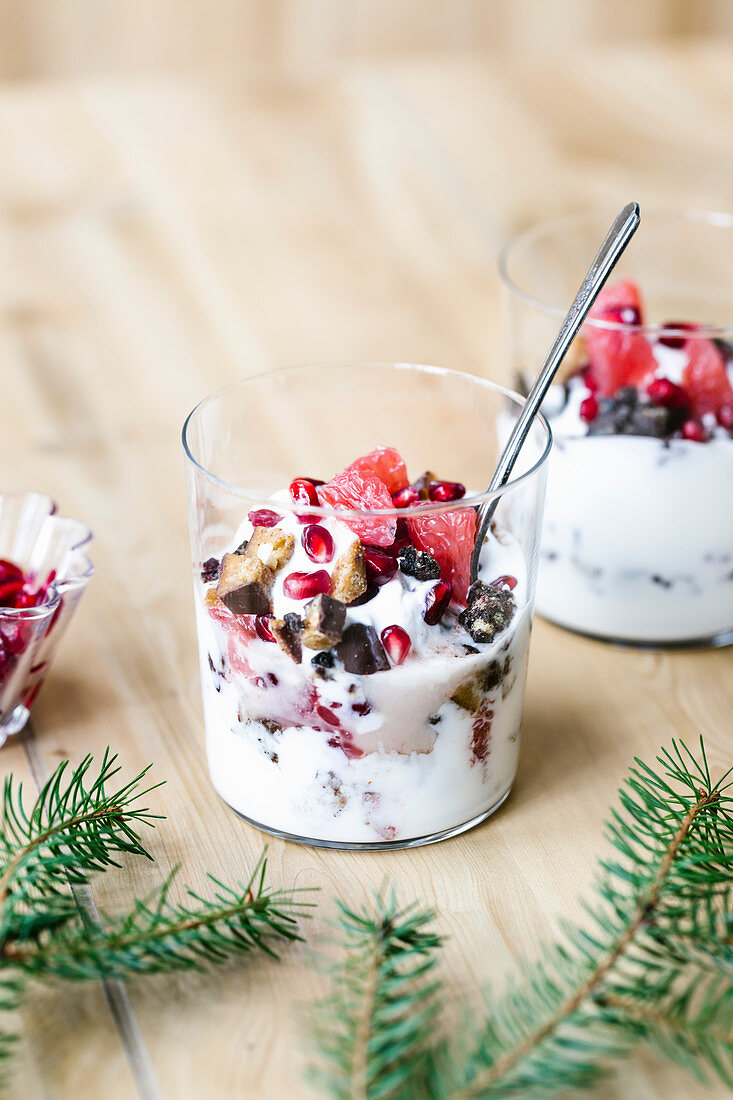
[160, 239]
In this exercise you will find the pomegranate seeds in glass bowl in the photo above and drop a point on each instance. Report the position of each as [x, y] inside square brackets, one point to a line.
[358, 692]
[44, 570]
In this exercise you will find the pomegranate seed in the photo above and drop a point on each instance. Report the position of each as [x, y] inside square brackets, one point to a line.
[445, 491]
[663, 392]
[315, 480]
[361, 708]
[588, 409]
[380, 566]
[318, 543]
[506, 580]
[725, 417]
[263, 517]
[676, 341]
[304, 586]
[396, 642]
[327, 715]
[303, 491]
[27, 598]
[9, 591]
[263, 629]
[406, 498]
[9, 571]
[437, 602]
[590, 380]
[694, 431]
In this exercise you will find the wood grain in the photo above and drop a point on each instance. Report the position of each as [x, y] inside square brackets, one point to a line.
[161, 238]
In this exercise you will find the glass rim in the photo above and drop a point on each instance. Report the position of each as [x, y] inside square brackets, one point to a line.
[715, 218]
[426, 508]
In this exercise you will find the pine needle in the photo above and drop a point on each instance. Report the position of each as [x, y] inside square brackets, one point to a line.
[653, 964]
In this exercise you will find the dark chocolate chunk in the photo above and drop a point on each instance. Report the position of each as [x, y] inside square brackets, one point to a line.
[489, 611]
[656, 421]
[210, 570]
[288, 632]
[245, 585]
[360, 650]
[242, 548]
[324, 621]
[419, 564]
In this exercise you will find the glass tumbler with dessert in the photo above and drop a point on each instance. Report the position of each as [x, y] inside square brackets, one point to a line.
[638, 536]
[358, 691]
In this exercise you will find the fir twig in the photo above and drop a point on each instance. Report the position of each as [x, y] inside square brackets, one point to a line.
[654, 964]
[80, 822]
[376, 1026]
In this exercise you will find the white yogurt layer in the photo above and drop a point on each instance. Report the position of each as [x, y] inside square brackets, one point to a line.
[638, 533]
[332, 756]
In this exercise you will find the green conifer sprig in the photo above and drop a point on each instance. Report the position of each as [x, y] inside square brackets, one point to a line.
[651, 963]
[83, 819]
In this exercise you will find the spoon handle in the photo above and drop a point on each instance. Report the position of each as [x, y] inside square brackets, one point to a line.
[618, 237]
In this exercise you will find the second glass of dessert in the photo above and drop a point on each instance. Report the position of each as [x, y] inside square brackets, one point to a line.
[359, 691]
[638, 537]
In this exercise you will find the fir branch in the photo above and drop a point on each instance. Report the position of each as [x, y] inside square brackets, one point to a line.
[76, 826]
[375, 1028]
[653, 964]
[160, 936]
[81, 820]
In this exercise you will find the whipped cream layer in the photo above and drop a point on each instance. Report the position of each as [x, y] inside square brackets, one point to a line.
[323, 754]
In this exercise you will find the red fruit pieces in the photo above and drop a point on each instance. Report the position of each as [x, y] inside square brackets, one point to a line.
[449, 537]
[445, 491]
[318, 543]
[661, 391]
[694, 431]
[380, 566]
[9, 571]
[437, 601]
[263, 517]
[620, 302]
[618, 357]
[705, 377]
[363, 491]
[305, 586]
[385, 463]
[406, 498]
[396, 642]
[303, 491]
[588, 410]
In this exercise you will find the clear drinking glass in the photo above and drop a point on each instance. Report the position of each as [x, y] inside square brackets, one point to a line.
[354, 743]
[638, 535]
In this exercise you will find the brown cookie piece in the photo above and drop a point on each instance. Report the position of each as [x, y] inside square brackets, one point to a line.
[245, 585]
[272, 546]
[348, 579]
[288, 633]
[247, 576]
[323, 624]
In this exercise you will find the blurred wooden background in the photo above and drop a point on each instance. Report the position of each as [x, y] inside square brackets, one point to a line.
[112, 37]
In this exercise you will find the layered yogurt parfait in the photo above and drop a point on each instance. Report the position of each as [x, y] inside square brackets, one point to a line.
[638, 535]
[358, 689]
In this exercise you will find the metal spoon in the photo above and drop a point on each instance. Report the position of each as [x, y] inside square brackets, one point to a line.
[618, 237]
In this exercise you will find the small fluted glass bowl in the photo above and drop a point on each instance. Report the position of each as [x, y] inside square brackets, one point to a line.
[51, 551]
